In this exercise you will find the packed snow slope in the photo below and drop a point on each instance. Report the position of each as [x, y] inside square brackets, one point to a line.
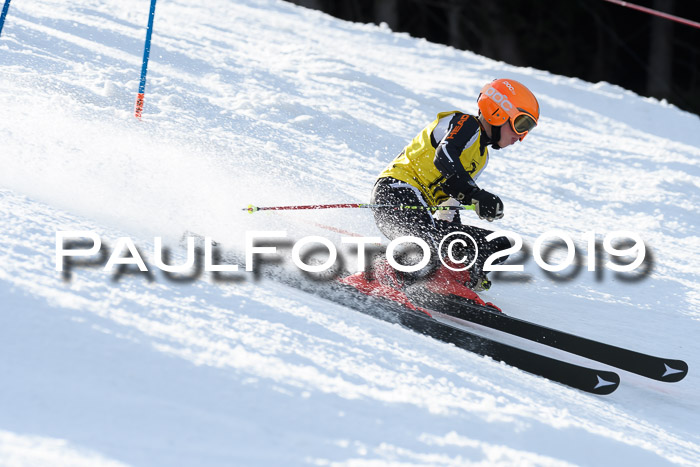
[259, 101]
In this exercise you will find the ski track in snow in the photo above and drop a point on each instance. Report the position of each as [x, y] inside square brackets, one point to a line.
[263, 102]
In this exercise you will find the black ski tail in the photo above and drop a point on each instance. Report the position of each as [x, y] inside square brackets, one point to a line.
[649, 366]
[576, 376]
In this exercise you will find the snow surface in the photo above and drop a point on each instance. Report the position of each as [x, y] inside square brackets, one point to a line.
[260, 101]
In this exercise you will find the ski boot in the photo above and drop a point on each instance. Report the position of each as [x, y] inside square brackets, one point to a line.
[447, 288]
[381, 281]
[382, 272]
[477, 280]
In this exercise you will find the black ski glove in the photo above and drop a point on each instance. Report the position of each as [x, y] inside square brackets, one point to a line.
[487, 205]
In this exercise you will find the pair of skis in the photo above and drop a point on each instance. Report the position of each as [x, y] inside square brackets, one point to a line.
[439, 326]
[583, 378]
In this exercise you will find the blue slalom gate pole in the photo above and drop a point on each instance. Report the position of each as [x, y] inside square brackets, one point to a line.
[5, 7]
[144, 68]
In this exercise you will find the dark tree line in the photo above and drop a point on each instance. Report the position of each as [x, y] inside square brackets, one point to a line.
[589, 39]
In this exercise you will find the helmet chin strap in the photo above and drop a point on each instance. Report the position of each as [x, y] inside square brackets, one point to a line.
[495, 136]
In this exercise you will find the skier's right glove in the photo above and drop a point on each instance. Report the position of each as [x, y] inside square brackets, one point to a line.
[487, 205]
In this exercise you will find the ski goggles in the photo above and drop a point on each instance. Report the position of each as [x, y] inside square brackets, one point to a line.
[521, 122]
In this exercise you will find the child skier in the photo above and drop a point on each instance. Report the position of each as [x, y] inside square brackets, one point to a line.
[440, 167]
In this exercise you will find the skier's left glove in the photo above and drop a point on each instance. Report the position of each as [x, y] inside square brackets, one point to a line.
[487, 205]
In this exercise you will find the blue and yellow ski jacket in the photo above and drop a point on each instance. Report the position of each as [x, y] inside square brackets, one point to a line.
[444, 159]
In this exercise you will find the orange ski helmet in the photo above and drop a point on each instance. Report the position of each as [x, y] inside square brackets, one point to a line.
[506, 99]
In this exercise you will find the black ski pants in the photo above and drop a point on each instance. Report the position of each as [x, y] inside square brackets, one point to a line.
[395, 223]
